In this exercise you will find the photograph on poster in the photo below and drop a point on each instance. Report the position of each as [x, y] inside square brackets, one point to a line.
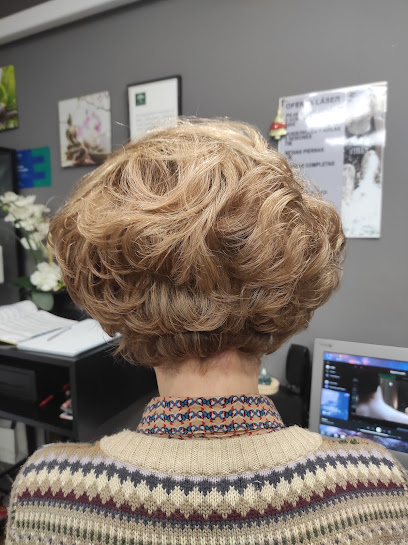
[153, 103]
[85, 129]
[8, 98]
[337, 139]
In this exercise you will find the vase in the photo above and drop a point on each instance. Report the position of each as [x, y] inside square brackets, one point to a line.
[66, 308]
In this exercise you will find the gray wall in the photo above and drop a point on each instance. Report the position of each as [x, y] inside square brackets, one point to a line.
[236, 58]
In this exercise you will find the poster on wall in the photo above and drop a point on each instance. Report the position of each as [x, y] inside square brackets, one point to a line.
[337, 139]
[153, 103]
[34, 167]
[85, 129]
[8, 98]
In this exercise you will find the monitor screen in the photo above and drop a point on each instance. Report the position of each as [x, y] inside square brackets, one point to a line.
[361, 390]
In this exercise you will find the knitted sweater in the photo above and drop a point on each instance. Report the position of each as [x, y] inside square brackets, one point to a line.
[265, 486]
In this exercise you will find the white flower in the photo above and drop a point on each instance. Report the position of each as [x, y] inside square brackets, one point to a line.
[25, 244]
[8, 197]
[24, 201]
[22, 212]
[47, 277]
[42, 228]
[34, 241]
[30, 219]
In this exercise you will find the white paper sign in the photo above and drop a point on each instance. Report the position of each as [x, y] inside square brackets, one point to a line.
[337, 139]
[153, 103]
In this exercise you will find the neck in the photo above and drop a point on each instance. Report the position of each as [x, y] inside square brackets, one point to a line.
[227, 373]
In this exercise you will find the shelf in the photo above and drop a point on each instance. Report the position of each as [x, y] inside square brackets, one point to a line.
[31, 414]
[100, 384]
[12, 352]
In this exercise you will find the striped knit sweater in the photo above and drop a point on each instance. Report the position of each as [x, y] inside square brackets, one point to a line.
[267, 485]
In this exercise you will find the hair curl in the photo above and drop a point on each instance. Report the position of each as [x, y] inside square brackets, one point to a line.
[195, 239]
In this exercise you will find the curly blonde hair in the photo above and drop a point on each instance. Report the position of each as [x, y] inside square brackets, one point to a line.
[195, 239]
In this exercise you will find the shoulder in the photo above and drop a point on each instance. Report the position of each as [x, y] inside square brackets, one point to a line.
[56, 458]
[61, 454]
[364, 461]
[358, 448]
[64, 450]
[46, 470]
[51, 461]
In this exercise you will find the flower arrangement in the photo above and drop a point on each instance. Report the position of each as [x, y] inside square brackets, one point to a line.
[31, 222]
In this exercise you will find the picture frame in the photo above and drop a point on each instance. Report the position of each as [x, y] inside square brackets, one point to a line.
[85, 129]
[152, 103]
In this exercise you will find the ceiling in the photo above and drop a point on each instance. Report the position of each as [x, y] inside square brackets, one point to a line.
[9, 8]
[27, 17]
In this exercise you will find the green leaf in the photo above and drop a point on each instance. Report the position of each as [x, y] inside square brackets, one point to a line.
[23, 282]
[43, 299]
[8, 81]
[3, 95]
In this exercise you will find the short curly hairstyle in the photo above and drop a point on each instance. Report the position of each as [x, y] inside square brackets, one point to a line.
[195, 239]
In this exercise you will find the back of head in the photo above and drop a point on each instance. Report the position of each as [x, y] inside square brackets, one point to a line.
[195, 239]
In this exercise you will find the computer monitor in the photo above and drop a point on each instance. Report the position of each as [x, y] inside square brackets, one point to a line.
[361, 390]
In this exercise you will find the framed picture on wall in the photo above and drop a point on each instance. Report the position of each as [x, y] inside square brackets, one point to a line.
[152, 103]
[8, 98]
[85, 129]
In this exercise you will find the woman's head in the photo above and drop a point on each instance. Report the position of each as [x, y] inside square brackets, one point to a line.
[367, 386]
[195, 239]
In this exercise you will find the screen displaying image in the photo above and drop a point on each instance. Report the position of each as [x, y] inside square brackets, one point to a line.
[365, 397]
[335, 404]
[380, 397]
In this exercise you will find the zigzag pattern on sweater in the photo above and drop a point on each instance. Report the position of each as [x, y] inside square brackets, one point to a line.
[345, 492]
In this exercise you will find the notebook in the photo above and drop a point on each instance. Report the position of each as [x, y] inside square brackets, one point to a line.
[23, 320]
[68, 341]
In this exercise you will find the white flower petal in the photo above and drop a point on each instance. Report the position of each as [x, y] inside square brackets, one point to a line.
[46, 277]
[9, 196]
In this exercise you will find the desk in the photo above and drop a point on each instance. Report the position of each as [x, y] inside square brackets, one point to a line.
[101, 386]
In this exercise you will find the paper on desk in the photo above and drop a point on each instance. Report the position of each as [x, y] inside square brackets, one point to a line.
[71, 341]
[23, 320]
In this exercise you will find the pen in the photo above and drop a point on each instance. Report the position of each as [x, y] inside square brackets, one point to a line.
[59, 333]
[46, 400]
[44, 333]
